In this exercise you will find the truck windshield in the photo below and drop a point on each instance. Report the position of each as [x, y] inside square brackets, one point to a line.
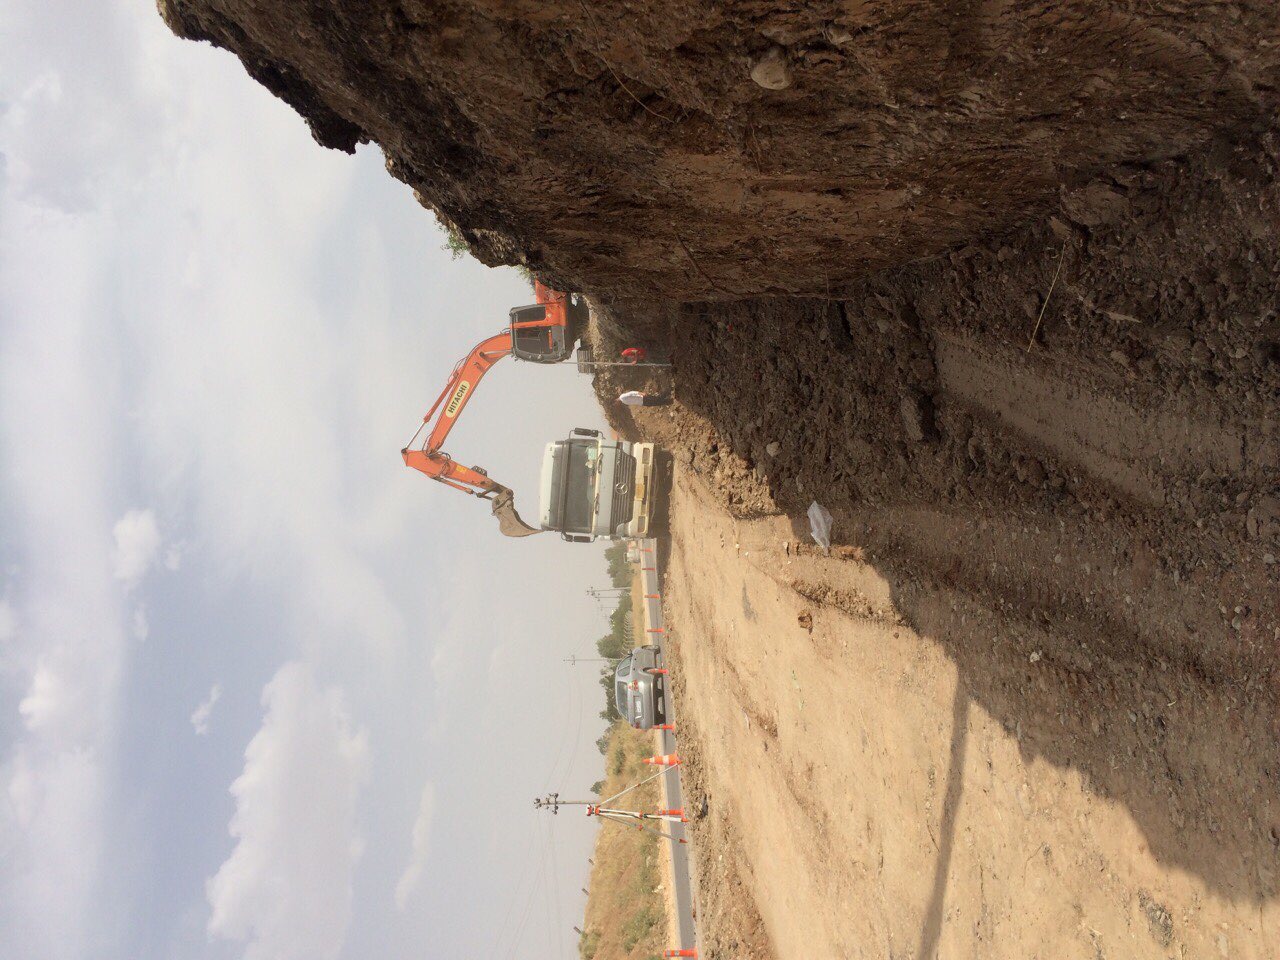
[578, 496]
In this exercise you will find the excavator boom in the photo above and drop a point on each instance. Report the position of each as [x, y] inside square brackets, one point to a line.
[430, 459]
[441, 467]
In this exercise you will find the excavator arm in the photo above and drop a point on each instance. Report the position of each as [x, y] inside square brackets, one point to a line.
[547, 331]
[441, 418]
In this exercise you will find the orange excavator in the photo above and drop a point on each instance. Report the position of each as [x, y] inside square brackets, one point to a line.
[542, 332]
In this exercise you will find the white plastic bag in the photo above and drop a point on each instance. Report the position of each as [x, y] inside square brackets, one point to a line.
[820, 525]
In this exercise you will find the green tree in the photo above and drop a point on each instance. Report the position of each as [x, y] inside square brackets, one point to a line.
[618, 619]
[610, 711]
[619, 568]
[613, 646]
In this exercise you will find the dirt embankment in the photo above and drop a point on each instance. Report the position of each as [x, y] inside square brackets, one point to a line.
[1052, 460]
[625, 150]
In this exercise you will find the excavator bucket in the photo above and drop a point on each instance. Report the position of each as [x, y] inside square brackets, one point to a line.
[509, 522]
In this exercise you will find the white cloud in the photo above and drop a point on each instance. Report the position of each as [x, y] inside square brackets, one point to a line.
[141, 626]
[48, 701]
[54, 800]
[137, 539]
[173, 557]
[69, 609]
[71, 640]
[412, 875]
[200, 716]
[7, 623]
[22, 789]
[286, 889]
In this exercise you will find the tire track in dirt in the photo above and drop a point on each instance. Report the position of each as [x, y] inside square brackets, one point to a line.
[743, 726]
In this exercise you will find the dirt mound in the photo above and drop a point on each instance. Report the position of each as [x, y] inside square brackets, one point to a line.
[627, 150]
[1035, 379]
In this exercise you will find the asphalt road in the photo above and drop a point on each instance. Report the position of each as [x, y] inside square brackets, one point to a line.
[655, 625]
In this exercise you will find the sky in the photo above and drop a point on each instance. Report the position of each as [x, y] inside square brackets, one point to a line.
[264, 692]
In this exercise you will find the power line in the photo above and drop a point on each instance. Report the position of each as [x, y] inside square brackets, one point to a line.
[555, 884]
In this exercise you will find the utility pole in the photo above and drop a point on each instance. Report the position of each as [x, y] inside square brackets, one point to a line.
[573, 660]
[635, 819]
[607, 593]
[607, 598]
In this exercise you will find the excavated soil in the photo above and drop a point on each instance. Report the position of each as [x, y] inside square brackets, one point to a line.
[1030, 704]
[624, 149]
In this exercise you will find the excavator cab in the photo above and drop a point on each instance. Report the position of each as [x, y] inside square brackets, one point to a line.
[547, 332]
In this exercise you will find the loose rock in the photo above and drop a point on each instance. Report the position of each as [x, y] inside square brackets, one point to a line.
[772, 71]
[917, 416]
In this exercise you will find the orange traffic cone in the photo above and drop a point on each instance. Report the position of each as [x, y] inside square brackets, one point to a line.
[690, 952]
[664, 760]
[656, 671]
[663, 726]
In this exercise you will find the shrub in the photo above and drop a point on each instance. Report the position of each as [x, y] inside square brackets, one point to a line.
[618, 761]
[638, 927]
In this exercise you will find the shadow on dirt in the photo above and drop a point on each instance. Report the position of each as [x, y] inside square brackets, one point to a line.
[950, 807]
[1153, 698]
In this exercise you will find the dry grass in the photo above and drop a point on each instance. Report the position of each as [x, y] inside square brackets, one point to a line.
[626, 913]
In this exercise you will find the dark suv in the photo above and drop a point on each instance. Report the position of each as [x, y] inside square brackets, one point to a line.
[641, 696]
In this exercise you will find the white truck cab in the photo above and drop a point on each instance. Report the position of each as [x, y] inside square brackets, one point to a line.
[594, 488]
